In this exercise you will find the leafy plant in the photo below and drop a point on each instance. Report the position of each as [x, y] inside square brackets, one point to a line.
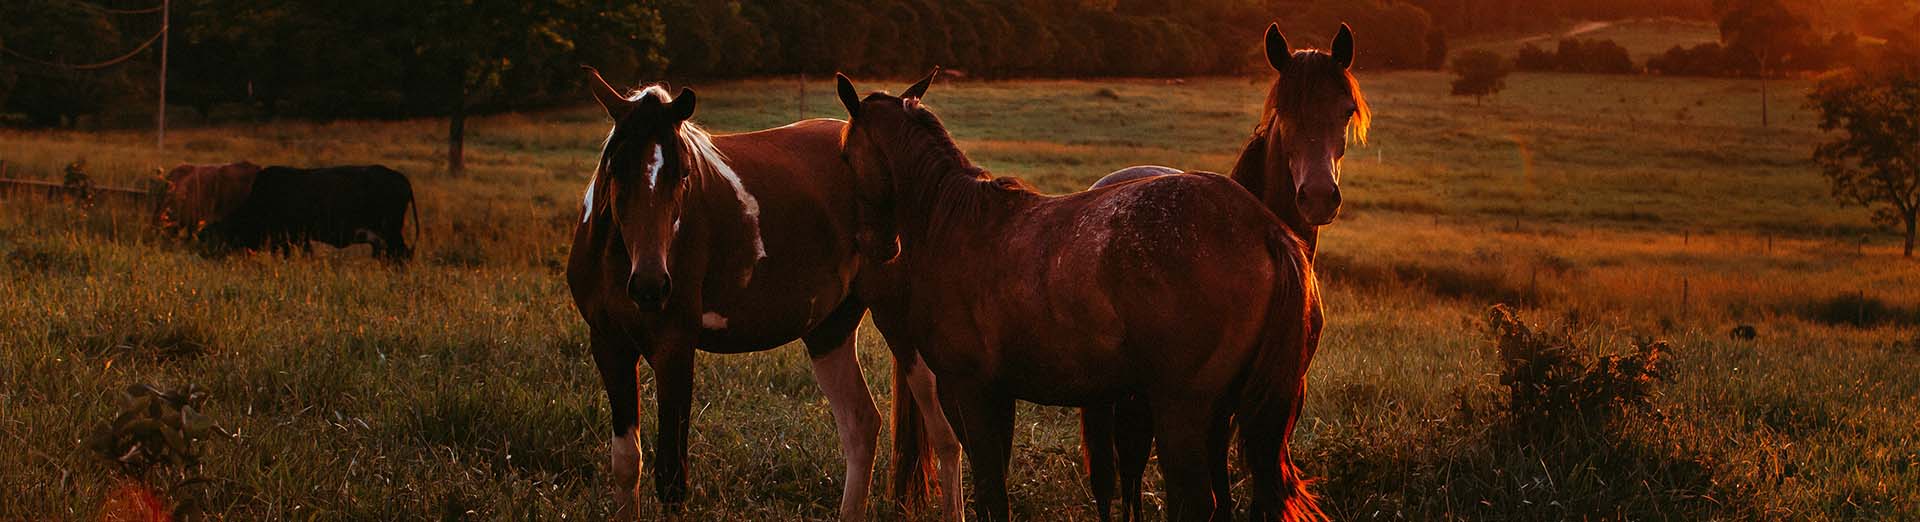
[1553, 380]
[154, 427]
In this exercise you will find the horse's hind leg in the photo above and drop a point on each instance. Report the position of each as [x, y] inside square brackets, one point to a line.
[1097, 443]
[1181, 433]
[1260, 455]
[836, 367]
[1133, 443]
[941, 437]
[986, 434]
[1219, 439]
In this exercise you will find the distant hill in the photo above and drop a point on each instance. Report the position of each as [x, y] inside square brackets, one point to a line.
[1643, 38]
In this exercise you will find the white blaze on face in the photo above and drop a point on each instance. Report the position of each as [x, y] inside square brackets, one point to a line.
[653, 167]
[713, 321]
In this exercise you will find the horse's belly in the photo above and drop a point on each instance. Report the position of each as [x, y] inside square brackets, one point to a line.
[767, 315]
[1073, 374]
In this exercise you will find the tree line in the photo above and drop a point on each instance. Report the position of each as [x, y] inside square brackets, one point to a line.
[330, 59]
[386, 59]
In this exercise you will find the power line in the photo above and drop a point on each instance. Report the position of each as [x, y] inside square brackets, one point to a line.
[88, 66]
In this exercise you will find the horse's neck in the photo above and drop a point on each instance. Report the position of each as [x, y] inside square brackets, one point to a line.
[948, 195]
[1274, 186]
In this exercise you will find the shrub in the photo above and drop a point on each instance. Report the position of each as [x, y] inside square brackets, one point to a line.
[1553, 381]
[1859, 310]
[1707, 59]
[1594, 56]
[154, 426]
[1576, 55]
[1533, 58]
[1479, 73]
[154, 440]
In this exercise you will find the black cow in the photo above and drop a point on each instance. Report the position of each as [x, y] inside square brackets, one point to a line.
[339, 206]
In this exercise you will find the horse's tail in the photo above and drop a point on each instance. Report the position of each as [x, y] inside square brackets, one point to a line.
[912, 461]
[1276, 386]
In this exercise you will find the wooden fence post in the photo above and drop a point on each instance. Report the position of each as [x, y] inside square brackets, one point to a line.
[1861, 313]
[1685, 290]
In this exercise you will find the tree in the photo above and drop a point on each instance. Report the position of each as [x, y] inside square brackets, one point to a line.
[1768, 31]
[1875, 161]
[44, 39]
[1479, 73]
[479, 54]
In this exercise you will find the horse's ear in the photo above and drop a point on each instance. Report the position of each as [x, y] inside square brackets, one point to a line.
[1343, 47]
[848, 96]
[919, 90]
[617, 106]
[683, 104]
[1277, 51]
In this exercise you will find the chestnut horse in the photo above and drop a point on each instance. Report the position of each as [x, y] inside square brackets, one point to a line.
[1182, 289]
[729, 244]
[1311, 109]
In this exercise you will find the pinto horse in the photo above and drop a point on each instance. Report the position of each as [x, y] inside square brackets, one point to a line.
[1311, 109]
[1182, 289]
[731, 244]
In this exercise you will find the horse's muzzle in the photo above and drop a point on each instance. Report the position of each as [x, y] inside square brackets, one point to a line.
[1319, 205]
[650, 292]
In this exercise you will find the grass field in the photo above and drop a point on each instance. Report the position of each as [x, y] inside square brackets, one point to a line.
[460, 387]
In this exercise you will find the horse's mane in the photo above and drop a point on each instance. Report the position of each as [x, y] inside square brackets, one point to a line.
[944, 155]
[1306, 73]
[945, 175]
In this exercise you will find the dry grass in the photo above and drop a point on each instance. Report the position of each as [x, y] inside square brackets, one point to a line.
[459, 387]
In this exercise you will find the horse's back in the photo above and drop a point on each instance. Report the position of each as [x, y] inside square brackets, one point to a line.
[1132, 173]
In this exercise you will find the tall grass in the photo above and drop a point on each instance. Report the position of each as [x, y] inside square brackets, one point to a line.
[460, 386]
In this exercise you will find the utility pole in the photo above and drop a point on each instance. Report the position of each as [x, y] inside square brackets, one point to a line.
[160, 115]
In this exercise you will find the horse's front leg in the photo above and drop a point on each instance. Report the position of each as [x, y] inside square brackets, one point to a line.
[836, 367]
[986, 434]
[1097, 447]
[617, 363]
[673, 388]
[1133, 444]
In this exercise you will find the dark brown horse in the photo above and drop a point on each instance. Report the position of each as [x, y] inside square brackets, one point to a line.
[1182, 289]
[1313, 106]
[729, 244]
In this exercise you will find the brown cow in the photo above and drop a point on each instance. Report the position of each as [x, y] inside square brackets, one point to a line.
[202, 194]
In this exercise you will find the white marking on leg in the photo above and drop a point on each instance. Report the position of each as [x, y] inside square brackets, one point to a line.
[625, 450]
[713, 321]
